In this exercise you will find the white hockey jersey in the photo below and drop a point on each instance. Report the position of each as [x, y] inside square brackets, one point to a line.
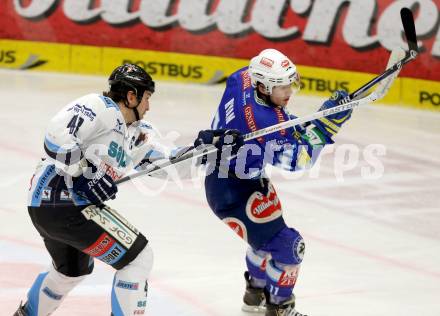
[92, 129]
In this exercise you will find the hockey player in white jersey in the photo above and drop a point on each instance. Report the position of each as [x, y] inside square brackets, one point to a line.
[89, 144]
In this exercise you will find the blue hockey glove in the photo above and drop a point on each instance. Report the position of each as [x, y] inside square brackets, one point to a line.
[331, 124]
[98, 189]
[220, 138]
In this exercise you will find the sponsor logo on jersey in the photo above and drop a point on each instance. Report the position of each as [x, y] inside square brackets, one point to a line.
[42, 181]
[267, 62]
[113, 255]
[237, 226]
[115, 226]
[87, 112]
[262, 208]
[127, 285]
[246, 79]
[46, 194]
[101, 246]
[263, 265]
[250, 121]
[288, 278]
[109, 103]
[109, 170]
[65, 195]
[118, 153]
[118, 127]
[280, 118]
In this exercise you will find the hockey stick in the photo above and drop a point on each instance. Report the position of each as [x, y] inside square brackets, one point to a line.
[351, 101]
[378, 93]
[413, 50]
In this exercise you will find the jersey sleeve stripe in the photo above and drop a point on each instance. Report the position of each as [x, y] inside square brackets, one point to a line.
[65, 156]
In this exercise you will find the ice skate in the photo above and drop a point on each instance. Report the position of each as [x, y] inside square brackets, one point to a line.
[20, 311]
[254, 300]
[286, 308]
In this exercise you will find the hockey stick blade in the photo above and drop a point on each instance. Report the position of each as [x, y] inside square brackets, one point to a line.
[410, 30]
[410, 33]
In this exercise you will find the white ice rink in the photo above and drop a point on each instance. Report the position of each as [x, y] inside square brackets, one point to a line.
[372, 244]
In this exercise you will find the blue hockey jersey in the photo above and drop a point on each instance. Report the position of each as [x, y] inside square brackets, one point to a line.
[242, 109]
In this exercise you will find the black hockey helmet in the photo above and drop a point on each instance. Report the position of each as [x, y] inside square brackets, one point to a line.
[129, 77]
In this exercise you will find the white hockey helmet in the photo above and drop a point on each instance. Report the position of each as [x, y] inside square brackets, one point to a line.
[272, 68]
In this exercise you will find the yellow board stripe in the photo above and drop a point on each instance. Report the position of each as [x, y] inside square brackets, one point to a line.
[81, 59]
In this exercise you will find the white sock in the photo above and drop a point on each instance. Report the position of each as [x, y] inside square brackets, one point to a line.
[129, 293]
[48, 291]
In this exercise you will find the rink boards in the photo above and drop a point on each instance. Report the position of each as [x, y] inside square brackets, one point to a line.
[82, 59]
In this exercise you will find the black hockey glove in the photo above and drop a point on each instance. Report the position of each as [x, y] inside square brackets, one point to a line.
[220, 138]
[97, 189]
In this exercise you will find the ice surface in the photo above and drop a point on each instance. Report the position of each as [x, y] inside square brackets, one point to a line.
[372, 244]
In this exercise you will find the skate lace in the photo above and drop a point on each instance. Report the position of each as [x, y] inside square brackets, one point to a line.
[290, 311]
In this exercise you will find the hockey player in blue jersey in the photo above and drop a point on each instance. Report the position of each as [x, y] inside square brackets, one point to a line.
[239, 192]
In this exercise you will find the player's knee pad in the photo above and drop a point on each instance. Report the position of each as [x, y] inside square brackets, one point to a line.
[256, 263]
[48, 291]
[286, 247]
[130, 285]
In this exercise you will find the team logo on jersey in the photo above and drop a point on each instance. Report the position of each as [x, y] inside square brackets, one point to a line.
[267, 62]
[285, 63]
[262, 208]
[46, 194]
[299, 248]
[237, 226]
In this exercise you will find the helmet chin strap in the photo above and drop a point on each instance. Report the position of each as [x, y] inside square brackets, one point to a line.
[135, 110]
[136, 114]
